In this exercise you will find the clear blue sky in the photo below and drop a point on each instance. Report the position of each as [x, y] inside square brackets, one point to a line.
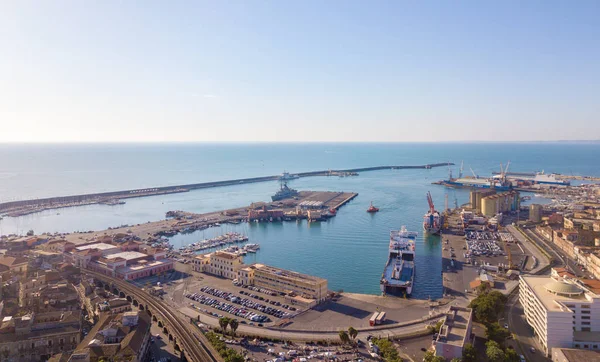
[299, 70]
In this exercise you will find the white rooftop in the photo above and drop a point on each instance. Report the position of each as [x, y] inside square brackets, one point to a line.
[100, 246]
[127, 255]
[551, 301]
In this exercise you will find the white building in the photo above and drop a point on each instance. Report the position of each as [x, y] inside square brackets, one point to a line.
[454, 333]
[564, 312]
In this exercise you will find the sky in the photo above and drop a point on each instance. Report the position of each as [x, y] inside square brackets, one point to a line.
[299, 71]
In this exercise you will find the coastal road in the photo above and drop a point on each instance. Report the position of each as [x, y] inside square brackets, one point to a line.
[517, 324]
[311, 335]
[569, 263]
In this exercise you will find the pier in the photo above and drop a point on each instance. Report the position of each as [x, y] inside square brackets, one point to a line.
[24, 207]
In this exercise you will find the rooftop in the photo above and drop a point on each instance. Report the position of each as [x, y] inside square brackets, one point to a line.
[127, 255]
[573, 355]
[289, 274]
[552, 302]
[99, 246]
[454, 329]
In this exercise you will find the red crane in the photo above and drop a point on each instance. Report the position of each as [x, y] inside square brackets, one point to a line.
[430, 202]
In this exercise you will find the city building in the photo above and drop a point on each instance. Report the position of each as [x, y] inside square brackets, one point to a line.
[35, 337]
[454, 333]
[289, 282]
[128, 261]
[116, 337]
[564, 312]
[535, 213]
[574, 355]
[219, 263]
[16, 265]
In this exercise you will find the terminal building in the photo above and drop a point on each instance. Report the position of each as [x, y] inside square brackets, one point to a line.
[454, 333]
[304, 289]
[564, 312]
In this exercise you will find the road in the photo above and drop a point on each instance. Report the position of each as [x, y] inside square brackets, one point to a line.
[514, 314]
[308, 335]
[568, 262]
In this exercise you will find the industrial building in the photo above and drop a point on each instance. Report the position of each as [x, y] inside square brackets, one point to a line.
[454, 333]
[535, 213]
[500, 203]
[476, 195]
[564, 312]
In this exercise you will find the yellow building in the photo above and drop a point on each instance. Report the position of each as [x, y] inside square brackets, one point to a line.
[219, 263]
[286, 281]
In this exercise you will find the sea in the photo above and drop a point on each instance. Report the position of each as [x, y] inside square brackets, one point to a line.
[350, 250]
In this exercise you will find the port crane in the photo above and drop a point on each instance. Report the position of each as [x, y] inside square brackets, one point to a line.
[430, 202]
[473, 172]
[460, 173]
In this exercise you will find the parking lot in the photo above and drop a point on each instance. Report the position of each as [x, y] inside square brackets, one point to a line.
[244, 305]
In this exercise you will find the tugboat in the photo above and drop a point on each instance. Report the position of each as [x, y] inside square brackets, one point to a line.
[372, 209]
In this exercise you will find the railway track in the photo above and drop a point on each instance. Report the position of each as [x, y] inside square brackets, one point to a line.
[196, 347]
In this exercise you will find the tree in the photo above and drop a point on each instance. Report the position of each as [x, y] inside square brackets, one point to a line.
[387, 350]
[469, 353]
[497, 333]
[455, 359]
[494, 353]
[431, 357]
[344, 337]
[223, 323]
[488, 306]
[352, 333]
[233, 324]
[511, 355]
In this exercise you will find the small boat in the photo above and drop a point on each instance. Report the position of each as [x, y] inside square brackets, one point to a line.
[372, 209]
[332, 211]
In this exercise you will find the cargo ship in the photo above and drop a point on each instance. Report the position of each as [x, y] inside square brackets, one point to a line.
[432, 221]
[535, 178]
[284, 192]
[399, 272]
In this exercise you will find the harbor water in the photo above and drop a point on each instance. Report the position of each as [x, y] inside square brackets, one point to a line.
[350, 250]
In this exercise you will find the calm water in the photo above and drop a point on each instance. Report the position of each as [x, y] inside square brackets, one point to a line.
[349, 250]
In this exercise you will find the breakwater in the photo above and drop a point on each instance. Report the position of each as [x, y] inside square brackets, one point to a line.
[24, 207]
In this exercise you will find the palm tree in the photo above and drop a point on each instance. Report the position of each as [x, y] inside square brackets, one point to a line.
[344, 337]
[352, 333]
[223, 323]
[233, 324]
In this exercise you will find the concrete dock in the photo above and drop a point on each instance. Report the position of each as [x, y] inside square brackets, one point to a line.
[183, 221]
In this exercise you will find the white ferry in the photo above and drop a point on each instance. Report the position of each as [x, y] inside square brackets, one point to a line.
[398, 275]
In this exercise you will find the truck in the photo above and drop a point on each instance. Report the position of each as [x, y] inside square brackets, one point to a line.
[373, 319]
[380, 318]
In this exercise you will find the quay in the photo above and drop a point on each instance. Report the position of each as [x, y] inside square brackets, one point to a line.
[24, 207]
[183, 222]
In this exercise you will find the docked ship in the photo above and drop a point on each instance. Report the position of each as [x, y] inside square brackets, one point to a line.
[535, 178]
[432, 221]
[399, 272]
[284, 192]
[286, 176]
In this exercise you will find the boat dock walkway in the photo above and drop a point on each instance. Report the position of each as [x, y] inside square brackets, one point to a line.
[24, 207]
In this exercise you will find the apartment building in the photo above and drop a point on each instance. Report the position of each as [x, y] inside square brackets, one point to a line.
[564, 312]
